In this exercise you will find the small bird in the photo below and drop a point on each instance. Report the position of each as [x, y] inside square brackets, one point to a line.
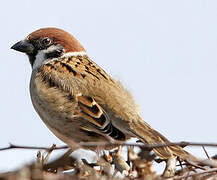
[78, 100]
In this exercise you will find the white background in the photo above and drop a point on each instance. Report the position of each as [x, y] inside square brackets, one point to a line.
[164, 52]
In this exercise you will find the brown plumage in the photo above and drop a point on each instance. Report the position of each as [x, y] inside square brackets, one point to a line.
[78, 100]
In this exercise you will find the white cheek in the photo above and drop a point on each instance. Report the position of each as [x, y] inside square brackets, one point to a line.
[51, 49]
[41, 56]
[39, 59]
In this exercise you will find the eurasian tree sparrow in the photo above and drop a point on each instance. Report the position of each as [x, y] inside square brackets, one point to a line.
[78, 100]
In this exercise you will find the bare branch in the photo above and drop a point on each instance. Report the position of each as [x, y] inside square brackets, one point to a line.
[13, 146]
[196, 174]
[109, 144]
[170, 169]
[206, 152]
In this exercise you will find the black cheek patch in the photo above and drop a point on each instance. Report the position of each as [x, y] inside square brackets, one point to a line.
[54, 54]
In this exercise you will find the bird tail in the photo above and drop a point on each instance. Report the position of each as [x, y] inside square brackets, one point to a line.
[148, 135]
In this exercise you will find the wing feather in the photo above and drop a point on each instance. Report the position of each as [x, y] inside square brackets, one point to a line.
[61, 74]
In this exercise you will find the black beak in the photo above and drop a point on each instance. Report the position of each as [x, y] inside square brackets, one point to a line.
[23, 46]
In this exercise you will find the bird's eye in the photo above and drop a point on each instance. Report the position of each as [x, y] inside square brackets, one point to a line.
[46, 41]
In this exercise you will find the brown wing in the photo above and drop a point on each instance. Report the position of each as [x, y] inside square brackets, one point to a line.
[71, 75]
[95, 114]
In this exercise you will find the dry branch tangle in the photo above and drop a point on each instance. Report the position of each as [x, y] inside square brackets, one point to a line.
[139, 167]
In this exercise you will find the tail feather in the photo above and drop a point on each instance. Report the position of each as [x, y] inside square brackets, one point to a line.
[148, 135]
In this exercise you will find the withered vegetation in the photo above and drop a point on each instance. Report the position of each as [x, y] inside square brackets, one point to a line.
[112, 165]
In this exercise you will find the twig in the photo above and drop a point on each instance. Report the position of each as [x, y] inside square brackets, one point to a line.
[196, 174]
[170, 169]
[65, 161]
[13, 146]
[206, 152]
[109, 144]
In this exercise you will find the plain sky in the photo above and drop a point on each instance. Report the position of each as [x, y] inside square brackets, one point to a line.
[164, 52]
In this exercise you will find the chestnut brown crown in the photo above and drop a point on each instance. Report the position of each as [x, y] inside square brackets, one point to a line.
[57, 36]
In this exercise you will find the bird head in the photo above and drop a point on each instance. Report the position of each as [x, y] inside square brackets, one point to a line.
[48, 43]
